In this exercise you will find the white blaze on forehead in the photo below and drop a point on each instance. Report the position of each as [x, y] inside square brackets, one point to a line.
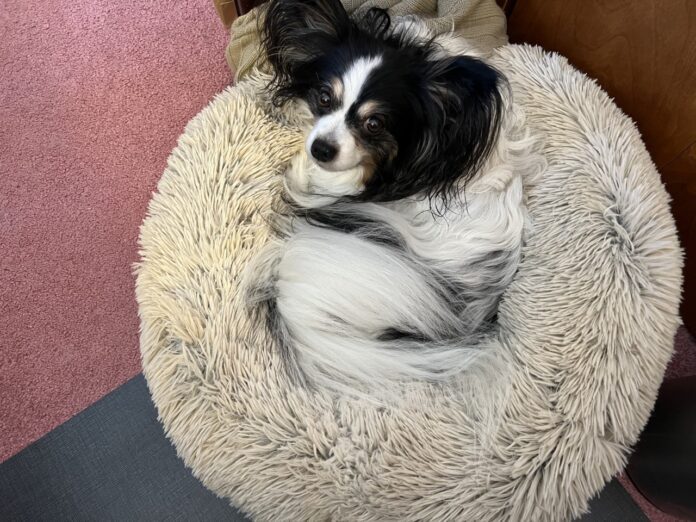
[333, 128]
[355, 77]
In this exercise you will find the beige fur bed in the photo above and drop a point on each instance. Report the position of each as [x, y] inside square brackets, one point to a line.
[586, 329]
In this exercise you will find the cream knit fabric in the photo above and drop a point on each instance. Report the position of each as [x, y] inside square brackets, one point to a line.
[481, 22]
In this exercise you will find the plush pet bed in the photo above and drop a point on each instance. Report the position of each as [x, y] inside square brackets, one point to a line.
[585, 330]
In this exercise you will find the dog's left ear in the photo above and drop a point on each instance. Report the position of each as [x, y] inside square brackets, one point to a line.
[467, 108]
[296, 32]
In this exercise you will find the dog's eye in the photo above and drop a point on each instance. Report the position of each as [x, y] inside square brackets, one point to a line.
[374, 124]
[324, 98]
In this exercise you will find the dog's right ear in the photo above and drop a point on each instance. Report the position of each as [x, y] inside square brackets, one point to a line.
[296, 32]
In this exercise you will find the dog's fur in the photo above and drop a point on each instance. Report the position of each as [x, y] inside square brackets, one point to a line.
[408, 200]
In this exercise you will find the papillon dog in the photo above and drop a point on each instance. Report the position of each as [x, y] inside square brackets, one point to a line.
[407, 201]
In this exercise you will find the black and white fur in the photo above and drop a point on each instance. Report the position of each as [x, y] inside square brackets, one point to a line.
[407, 200]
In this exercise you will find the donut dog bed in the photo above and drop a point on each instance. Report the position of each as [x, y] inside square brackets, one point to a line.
[585, 329]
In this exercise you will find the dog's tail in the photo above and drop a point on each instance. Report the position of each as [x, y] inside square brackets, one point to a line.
[362, 318]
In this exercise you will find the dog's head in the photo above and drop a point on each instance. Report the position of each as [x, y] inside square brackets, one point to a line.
[414, 120]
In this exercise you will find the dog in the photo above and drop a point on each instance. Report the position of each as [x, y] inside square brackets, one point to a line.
[407, 202]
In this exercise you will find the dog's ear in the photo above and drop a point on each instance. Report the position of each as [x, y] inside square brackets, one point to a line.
[466, 102]
[377, 22]
[296, 32]
[459, 118]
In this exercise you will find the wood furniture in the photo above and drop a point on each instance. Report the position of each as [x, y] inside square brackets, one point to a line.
[643, 52]
[231, 9]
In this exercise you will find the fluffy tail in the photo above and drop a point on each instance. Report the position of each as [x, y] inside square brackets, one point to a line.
[360, 315]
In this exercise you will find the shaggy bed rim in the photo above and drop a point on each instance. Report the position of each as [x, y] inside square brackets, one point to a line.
[587, 325]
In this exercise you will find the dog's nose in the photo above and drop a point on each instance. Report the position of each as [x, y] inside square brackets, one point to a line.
[323, 150]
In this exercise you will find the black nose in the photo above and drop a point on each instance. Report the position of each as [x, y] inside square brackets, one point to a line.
[323, 150]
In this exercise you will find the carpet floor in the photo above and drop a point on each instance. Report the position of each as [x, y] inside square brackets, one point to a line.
[93, 95]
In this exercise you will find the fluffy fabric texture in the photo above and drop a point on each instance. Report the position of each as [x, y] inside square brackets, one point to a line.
[481, 22]
[586, 330]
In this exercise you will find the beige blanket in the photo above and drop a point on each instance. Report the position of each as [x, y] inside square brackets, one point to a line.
[480, 21]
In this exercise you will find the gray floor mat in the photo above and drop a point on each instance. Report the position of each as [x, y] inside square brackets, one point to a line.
[113, 462]
[110, 462]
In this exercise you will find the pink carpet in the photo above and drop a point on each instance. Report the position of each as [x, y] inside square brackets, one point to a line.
[93, 95]
[92, 98]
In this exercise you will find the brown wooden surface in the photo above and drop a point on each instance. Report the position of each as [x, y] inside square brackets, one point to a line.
[643, 52]
[227, 10]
